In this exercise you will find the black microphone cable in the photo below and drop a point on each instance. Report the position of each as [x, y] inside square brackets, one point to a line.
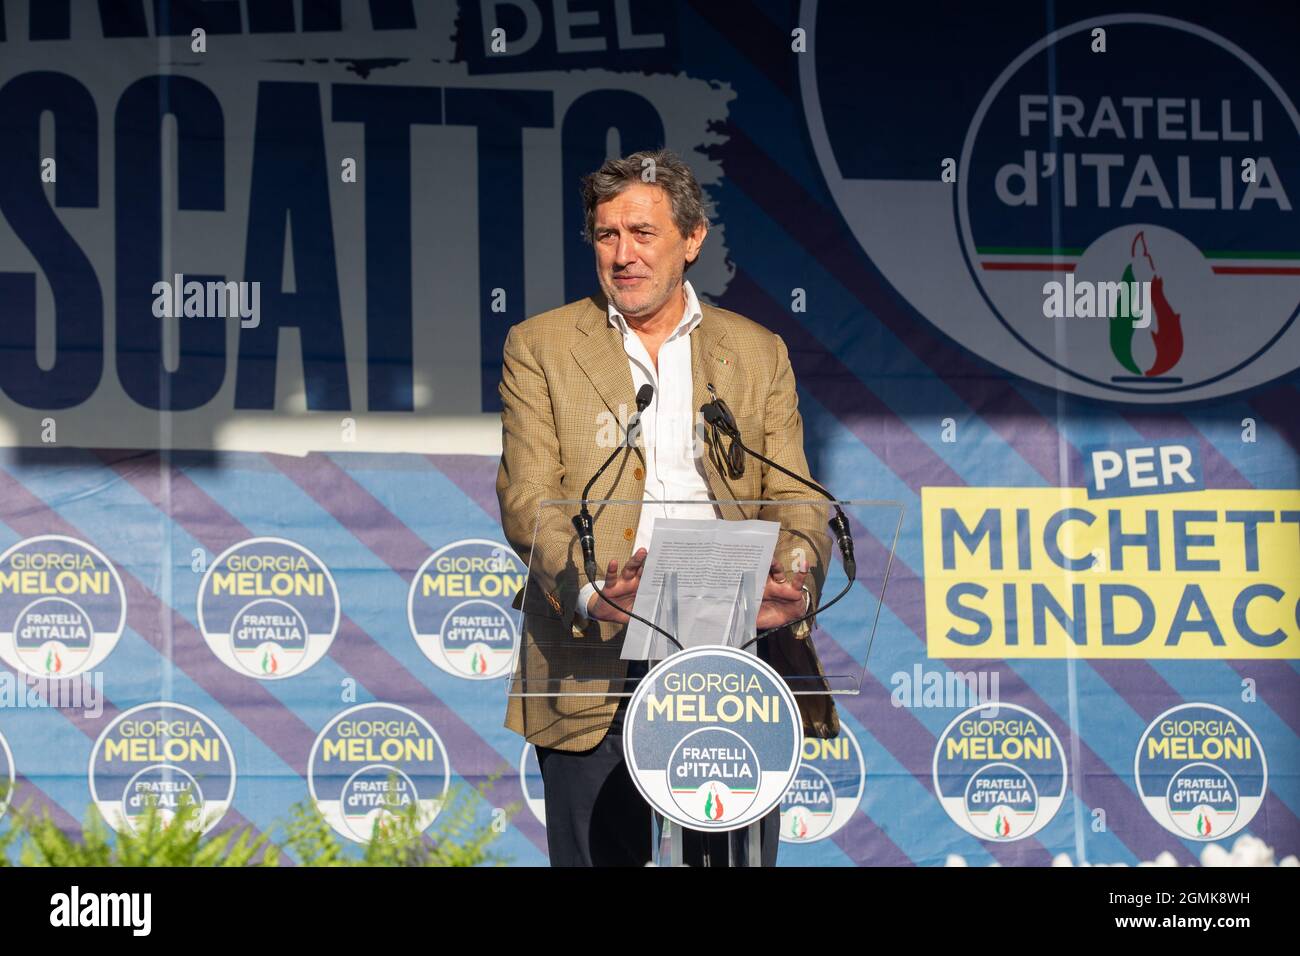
[723, 424]
[583, 524]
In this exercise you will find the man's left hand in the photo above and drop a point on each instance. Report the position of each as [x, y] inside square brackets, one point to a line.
[783, 597]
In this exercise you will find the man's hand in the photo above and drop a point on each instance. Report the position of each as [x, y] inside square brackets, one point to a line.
[783, 600]
[619, 587]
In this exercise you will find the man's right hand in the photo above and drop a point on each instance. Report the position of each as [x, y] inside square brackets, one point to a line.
[619, 587]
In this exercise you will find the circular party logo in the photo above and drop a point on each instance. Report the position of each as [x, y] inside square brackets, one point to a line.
[459, 607]
[999, 772]
[161, 754]
[826, 791]
[62, 606]
[1201, 771]
[1099, 220]
[715, 774]
[376, 760]
[712, 738]
[268, 608]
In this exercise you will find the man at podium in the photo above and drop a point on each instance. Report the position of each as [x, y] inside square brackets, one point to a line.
[564, 373]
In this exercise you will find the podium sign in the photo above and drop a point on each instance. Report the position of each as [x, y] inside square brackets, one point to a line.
[712, 738]
[713, 734]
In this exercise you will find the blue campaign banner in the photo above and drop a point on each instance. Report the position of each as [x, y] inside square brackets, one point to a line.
[258, 261]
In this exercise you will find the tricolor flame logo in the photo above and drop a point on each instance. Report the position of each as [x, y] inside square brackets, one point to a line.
[1202, 825]
[713, 805]
[269, 664]
[1002, 826]
[53, 662]
[1167, 336]
[478, 663]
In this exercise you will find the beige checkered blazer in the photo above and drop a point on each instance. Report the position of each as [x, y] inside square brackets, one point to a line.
[566, 376]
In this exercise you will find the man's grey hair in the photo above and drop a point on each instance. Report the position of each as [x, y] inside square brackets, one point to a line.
[662, 168]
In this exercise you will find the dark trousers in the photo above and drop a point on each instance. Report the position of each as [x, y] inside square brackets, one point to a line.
[595, 816]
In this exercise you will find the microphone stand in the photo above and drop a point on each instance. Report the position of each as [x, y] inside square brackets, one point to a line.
[719, 418]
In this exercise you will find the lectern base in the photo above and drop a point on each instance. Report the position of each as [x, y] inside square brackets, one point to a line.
[744, 846]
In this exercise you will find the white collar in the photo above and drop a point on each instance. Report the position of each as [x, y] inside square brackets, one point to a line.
[691, 316]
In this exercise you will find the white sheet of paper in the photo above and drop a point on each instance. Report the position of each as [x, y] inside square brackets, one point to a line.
[711, 558]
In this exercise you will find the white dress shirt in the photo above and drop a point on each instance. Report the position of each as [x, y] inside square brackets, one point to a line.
[672, 471]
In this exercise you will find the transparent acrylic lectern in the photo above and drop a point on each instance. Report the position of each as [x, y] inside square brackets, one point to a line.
[570, 672]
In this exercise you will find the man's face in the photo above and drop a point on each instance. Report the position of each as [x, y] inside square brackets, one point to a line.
[640, 255]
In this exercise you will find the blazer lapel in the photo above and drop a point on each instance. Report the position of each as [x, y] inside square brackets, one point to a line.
[712, 363]
[600, 355]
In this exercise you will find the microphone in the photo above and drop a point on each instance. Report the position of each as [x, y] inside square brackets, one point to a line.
[582, 522]
[718, 414]
[644, 396]
[719, 418]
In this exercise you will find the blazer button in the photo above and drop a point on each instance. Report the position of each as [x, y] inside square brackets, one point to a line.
[628, 534]
[639, 473]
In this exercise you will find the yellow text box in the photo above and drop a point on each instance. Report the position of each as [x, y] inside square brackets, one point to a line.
[1047, 573]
